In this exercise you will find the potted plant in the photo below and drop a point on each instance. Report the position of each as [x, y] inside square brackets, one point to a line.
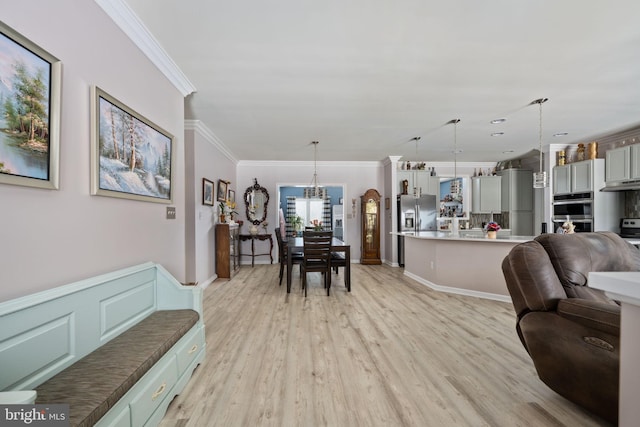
[296, 222]
[492, 229]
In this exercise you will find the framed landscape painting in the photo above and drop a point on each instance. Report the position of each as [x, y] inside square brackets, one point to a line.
[131, 157]
[29, 112]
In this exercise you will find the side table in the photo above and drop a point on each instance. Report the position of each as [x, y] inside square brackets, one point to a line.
[253, 238]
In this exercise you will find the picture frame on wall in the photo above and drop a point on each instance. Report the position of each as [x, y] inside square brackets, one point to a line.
[232, 196]
[131, 157]
[222, 190]
[30, 144]
[207, 192]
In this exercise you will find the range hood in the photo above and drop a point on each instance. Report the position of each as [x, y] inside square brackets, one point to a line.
[622, 186]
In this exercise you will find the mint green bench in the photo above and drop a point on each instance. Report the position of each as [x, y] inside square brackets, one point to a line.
[117, 348]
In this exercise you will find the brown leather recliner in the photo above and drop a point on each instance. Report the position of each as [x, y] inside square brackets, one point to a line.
[571, 331]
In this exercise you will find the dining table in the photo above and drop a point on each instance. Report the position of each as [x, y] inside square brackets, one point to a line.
[296, 245]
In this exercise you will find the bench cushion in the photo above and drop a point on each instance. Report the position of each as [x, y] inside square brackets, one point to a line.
[95, 383]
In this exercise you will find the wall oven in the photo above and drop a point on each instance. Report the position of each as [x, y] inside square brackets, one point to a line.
[574, 207]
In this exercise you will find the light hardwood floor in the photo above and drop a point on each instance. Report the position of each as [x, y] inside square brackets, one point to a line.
[390, 353]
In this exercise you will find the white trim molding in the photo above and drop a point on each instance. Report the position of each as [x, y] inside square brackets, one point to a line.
[125, 18]
[202, 129]
[458, 291]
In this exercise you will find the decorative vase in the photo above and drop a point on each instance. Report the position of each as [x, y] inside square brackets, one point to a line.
[253, 229]
[223, 218]
[492, 234]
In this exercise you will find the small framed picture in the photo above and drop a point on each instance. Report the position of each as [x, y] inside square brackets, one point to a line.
[207, 192]
[222, 190]
[232, 196]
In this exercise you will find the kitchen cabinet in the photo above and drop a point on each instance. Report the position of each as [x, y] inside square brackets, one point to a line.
[574, 178]
[486, 194]
[618, 164]
[227, 250]
[516, 190]
[420, 179]
[562, 179]
[582, 176]
[517, 201]
[622, 164]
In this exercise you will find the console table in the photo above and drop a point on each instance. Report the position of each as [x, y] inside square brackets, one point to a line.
[253, 238]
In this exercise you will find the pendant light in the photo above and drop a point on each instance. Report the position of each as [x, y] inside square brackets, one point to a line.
[540, 177]
[417, 191]
[315, 192]
[455, 185]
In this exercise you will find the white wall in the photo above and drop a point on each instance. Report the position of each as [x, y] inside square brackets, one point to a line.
[206, 158]
[50, 238]
[357, 177]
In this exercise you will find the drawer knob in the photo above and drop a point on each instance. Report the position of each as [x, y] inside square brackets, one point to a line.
[159, 391]
[193, 349]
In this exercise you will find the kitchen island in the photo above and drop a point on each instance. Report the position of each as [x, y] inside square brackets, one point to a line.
[466, 263]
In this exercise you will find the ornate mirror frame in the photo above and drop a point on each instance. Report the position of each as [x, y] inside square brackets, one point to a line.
[254, 194]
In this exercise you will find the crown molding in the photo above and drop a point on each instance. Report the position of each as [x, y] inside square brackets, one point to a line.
[310, 163]
[125, 18]
[202, 129]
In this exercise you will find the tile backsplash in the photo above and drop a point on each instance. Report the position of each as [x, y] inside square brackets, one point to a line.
[476, 220]
[632, 204]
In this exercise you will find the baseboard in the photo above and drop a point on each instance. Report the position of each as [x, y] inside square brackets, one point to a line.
[459, 291]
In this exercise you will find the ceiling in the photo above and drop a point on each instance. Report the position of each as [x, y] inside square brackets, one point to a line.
[364, 78]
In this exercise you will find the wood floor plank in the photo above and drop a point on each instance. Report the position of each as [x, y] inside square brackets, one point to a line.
[390, 353]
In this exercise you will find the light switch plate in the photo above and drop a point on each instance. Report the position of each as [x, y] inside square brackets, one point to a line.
[171, 212]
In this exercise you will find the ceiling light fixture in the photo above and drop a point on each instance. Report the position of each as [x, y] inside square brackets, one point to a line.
[498, 121]
[315, 191]
[540, 177]
[416, 139]
[497, 134]
[561, 134]
[455, 186]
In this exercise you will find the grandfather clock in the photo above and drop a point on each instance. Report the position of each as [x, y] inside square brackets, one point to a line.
[370, 212]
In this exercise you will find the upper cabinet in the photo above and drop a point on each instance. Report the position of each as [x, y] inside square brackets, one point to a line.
[622, 164]
[574, 178]
[421, 180]
[486, 194]
[517, 190]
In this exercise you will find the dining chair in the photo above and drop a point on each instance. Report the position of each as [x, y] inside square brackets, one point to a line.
[283, 253]
[316, 257]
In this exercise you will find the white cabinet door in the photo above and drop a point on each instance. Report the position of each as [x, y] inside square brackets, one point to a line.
[635, 161]
[428, 184]
[517, 190]
[562, 179]
[616, 164]
[582, 176]
[486, 197]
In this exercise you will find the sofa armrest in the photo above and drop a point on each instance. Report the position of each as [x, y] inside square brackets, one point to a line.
[598, 315]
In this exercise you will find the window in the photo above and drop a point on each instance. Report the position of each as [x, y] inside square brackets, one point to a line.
[309, 209]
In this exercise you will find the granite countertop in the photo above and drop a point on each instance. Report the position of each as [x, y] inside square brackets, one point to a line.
[467, 237]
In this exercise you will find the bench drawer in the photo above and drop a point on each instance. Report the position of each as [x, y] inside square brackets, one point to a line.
[153, 390]
[188, 350]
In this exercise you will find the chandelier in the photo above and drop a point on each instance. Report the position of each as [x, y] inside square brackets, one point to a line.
[315, 191]
[540, 177]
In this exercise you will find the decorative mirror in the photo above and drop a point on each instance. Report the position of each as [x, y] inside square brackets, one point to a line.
[256, 199]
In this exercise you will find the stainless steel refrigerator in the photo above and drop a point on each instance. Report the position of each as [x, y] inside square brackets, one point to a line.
[414, 215]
